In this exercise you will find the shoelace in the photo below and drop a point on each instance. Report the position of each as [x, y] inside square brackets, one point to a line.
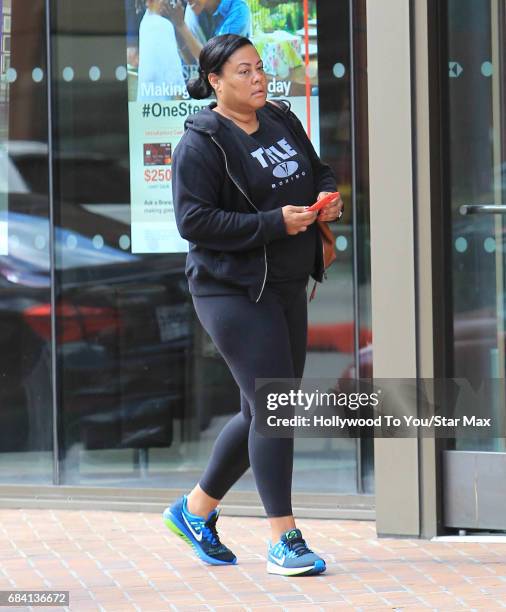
[299, 546]
[210, 531]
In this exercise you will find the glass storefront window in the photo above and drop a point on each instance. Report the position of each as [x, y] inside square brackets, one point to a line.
[140, 389]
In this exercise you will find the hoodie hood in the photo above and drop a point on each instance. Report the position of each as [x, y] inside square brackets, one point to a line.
[206, 120]
[209, 122]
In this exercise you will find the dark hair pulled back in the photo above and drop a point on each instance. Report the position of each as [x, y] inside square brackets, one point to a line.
[213, 56]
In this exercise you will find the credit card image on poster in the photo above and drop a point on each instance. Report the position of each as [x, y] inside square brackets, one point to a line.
[157, 154]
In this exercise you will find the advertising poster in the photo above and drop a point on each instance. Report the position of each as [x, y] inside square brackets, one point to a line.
[163, 40]
[4, 121]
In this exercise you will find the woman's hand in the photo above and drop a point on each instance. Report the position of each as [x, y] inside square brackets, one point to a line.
[332, 211]
[175, 13]
[297, 219]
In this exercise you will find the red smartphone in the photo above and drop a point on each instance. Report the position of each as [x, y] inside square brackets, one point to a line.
[323, 202]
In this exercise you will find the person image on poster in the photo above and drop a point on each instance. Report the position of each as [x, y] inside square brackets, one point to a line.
[160, 75]
[203, 19]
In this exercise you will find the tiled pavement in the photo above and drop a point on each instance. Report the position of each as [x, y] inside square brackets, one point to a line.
[130, 561]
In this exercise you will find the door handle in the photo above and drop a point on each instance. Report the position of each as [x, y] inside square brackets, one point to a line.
[483, 209]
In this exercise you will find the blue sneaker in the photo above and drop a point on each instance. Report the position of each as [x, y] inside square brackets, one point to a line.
[291, 557]
[198, 532]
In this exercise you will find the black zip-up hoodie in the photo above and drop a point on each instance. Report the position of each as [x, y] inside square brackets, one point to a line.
[227, 233]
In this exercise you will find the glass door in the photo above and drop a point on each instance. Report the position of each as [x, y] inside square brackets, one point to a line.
[475, 142]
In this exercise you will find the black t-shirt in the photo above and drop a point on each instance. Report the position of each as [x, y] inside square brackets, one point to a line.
[279, 172]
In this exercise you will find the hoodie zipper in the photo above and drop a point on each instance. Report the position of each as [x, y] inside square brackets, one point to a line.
[250, 202]
[294, 133]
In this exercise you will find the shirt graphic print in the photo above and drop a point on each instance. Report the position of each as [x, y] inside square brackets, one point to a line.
[279, 173]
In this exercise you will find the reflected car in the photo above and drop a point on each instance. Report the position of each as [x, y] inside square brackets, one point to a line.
[123, 333]
[124, 323]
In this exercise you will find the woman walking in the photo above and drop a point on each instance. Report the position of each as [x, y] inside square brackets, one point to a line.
[242, 175]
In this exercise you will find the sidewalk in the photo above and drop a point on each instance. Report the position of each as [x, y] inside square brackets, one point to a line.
[130, 561]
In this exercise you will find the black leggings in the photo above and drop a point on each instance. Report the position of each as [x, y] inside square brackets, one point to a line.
[262, 340]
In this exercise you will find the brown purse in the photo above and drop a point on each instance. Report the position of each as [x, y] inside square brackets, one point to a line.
[329, 243]
[329, 249]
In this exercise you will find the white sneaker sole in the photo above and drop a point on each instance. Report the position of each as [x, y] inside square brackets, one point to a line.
[272, 568]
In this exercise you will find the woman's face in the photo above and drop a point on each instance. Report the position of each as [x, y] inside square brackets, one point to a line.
[242, 84]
